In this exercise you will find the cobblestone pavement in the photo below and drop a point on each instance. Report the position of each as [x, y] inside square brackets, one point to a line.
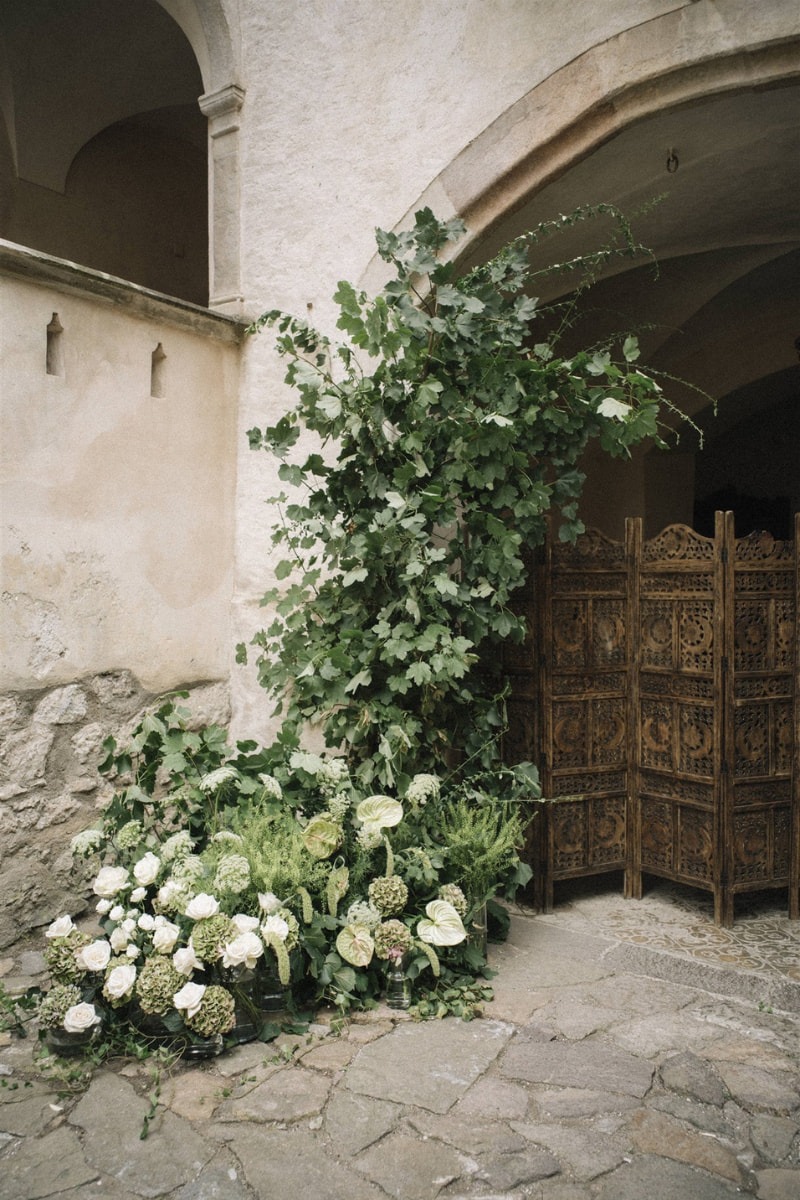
[632, 1052]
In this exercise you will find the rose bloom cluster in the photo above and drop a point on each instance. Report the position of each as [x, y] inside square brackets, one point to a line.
[166, 945]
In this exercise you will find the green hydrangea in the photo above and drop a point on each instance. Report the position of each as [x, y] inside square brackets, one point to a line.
[130, 835]
[339, 806]
[216, 1014]
[54, 1005]
[392, 935]
[388, 894]
[157, 983]
[60, 956]
[453, 894]
[210, 935]
[233, 874]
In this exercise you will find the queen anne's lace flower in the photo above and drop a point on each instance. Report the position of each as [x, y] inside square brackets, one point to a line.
[422, 789]
[332, 775]
[361, 912]
[188, 869]
[388, 895]
[214, 780]
[233, 874]
[87, 842]
[177, 846]
[369, 837]
[130, 835]
[272, 789]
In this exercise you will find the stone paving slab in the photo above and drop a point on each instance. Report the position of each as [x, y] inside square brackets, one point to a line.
[585, 1081]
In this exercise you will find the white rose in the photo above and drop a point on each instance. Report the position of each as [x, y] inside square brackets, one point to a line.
[243, 951]
[109, 881]
[269, 902]
[138, 894]
[132, 951]
[147, 868]
[129, 925]
[164, 937]
[189, 998]
[120, 981]
[117, 913]
[119, 939]
[95, 956]
[244, 924]
[146, 922]
[186, 961]
[202, 906]
[80, 1017]
[60, 928]
[102, 907]
[277, 925]
[167, 891]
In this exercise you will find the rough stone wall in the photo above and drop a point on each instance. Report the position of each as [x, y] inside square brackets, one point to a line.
[50, 746]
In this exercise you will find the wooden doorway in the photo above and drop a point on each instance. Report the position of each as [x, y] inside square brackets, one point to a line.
[659, 696]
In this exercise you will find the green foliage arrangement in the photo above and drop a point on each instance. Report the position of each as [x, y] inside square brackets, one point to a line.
[449, 426]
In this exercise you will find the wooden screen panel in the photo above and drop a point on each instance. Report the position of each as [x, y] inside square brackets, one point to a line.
[679, 734]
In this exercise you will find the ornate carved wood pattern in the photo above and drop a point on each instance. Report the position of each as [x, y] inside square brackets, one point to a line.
[660, 698]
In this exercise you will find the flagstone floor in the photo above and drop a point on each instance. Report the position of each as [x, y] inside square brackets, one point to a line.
[680, 920]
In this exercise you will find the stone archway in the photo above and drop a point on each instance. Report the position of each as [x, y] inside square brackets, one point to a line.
[710, 115]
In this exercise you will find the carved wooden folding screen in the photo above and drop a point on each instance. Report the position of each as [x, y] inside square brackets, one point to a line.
[666, 723]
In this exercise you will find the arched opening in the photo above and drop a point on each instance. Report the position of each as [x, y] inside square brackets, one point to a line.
[107, 144]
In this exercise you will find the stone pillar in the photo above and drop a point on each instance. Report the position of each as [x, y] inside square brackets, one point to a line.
[222, 109]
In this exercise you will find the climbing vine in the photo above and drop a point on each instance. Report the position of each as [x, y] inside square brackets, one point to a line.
[449, 425]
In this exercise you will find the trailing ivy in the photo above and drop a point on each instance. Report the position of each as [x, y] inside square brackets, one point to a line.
[450, 426]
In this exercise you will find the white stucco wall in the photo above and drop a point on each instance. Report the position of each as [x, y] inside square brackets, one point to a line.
[117, 505]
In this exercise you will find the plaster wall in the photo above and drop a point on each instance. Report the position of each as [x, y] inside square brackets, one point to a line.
[117, 504]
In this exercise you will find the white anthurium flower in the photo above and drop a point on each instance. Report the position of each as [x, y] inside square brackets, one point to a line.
[277, 925]
[201, 906]
[189, 998]
[186, 961]
[95, 956]
[60, 928]
[146, 869]
[146, 922]
[165, 935]
[120, 981]
[268, 902]
[109, 881]
[244, 951]
[242, 923]
[442, 926]
[356, 945]
[609, 407]
[138, 894]
[381, 811]
[80, 1017]
[119, 939]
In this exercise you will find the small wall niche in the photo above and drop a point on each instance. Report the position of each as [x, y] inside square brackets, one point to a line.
[158, 373]
[54, 354]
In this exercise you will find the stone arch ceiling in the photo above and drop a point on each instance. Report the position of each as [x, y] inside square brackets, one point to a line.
[726, 305]
[101, 61]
